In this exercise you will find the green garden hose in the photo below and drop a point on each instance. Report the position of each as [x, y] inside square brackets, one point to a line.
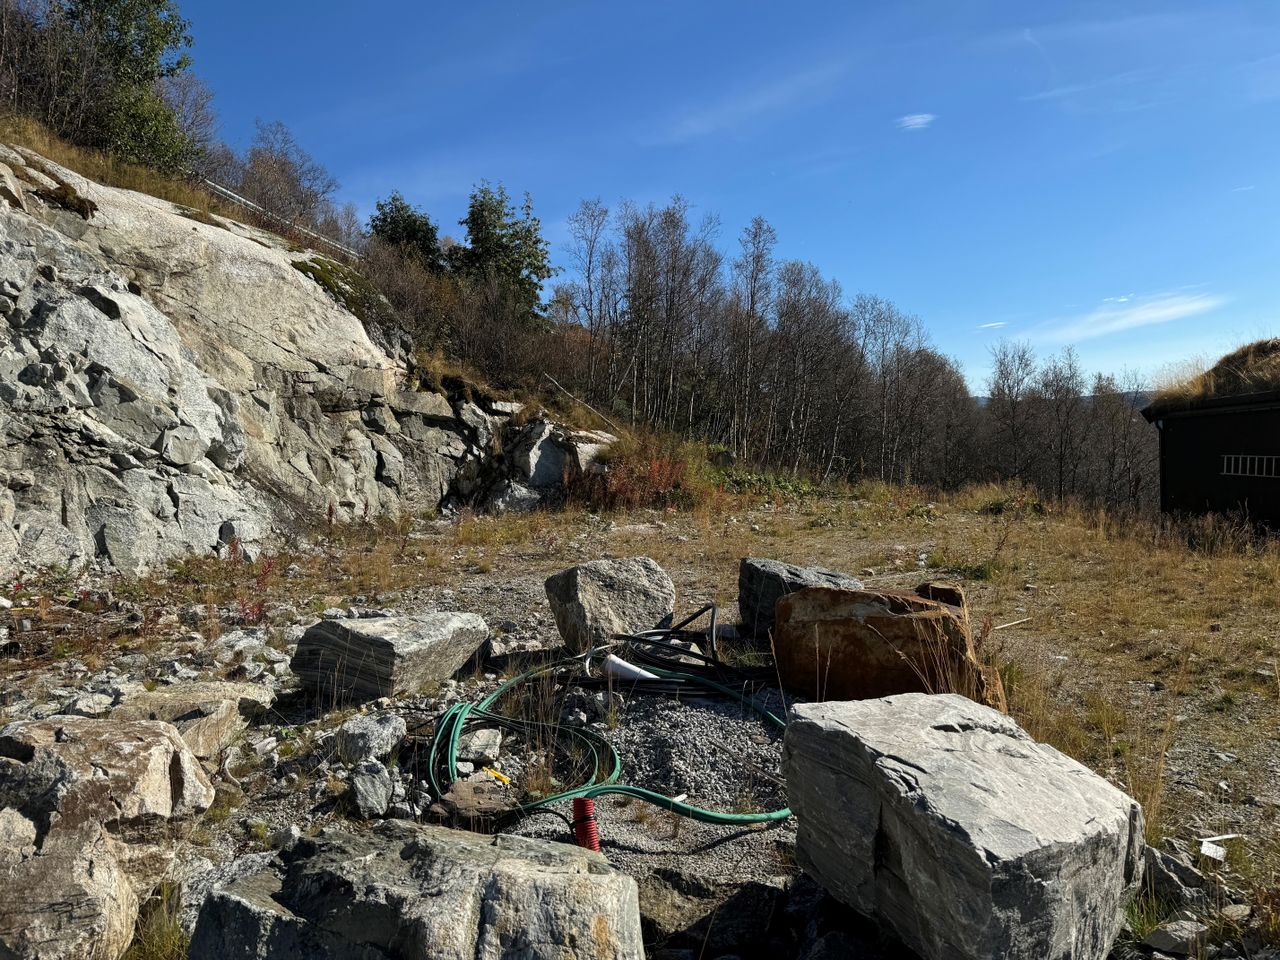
[605, 763]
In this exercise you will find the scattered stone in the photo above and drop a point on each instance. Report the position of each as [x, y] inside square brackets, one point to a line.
[370, 789]
[1172, 880]
[945, 821]
[406, 889]
[481, 747]
[1183, 938]
[593, 601]
[385, 657]
[762, 583]
[369, 737]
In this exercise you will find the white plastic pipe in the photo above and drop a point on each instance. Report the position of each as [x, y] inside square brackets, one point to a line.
[616, 666]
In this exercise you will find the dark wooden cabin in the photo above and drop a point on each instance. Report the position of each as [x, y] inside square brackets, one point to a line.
[1219, 448]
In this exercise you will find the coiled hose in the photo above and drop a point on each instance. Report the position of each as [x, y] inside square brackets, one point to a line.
[603, 760]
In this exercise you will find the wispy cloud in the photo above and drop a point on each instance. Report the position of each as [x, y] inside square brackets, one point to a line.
[743, 108]
[1244, 189]
[1118, 314]
[916, 121]
[993, 326]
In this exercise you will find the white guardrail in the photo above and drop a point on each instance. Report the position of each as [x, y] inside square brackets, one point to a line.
[221, 191]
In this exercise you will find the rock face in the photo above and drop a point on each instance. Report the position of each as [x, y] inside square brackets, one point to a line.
[385, 656]
[543, 458]
[946, 822]
[834, 644]
[593, 601]
[89, 810]
[406, 891]
[172, 385]
[762, 583]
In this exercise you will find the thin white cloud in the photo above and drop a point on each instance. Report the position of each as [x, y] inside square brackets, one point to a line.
[735, 111]
[916, 121]
[992, 326]
[1116, 315]
[1243, 189]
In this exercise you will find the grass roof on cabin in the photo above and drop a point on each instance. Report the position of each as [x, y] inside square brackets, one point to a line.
[1253, 368]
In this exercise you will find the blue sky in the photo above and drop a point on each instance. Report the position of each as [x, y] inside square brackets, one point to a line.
[1105, 175]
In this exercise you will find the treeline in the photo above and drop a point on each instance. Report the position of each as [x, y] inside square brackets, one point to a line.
[762, 356]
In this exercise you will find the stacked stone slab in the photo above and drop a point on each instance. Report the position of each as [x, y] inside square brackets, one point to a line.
[409, 890]
[762, 583]
[364, 659]
[947, 823]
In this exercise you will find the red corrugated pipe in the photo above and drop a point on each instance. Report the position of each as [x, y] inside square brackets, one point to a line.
[585, 830]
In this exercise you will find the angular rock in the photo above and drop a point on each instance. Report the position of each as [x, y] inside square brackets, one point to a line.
[369, 737]
[209, 715]
[137, 777]
[762, 583]
[71, 901]
[198, 877]
[1182, 938]
[948, 824]
[370, 789]
[593, 601]
[408, 890]
[482, 746]
[387, 656]
[844, 644]
[1174, 882]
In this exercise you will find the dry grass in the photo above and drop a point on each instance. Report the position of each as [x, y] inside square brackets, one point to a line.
[1252, 368]
[103, 168]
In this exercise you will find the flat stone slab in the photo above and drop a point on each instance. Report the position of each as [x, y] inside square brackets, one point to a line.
[209, 715]
[943, 820]
[364, 659]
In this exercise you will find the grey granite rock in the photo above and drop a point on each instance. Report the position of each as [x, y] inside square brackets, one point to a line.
[369, 737]
[593, 601]
[387, 656]
[946, 822]
[408, 890]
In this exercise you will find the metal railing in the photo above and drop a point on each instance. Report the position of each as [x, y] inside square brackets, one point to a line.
[231, 196]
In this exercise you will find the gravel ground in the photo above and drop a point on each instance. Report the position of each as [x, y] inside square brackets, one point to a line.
[720, 753]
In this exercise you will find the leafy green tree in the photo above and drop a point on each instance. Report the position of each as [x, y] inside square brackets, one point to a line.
[142, 40]
[138, 44]
[505, 246]
[399, 225]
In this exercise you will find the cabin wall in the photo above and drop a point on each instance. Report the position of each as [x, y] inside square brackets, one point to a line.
[1195, 477]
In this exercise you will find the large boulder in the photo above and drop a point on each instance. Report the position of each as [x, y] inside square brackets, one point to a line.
[209, 715]
[71, 901]
[364, 659]
[946, 822]
[89, 814]
[136, 776]
[844, 644]
[593, 601]
[762, 583]
[405, 890]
